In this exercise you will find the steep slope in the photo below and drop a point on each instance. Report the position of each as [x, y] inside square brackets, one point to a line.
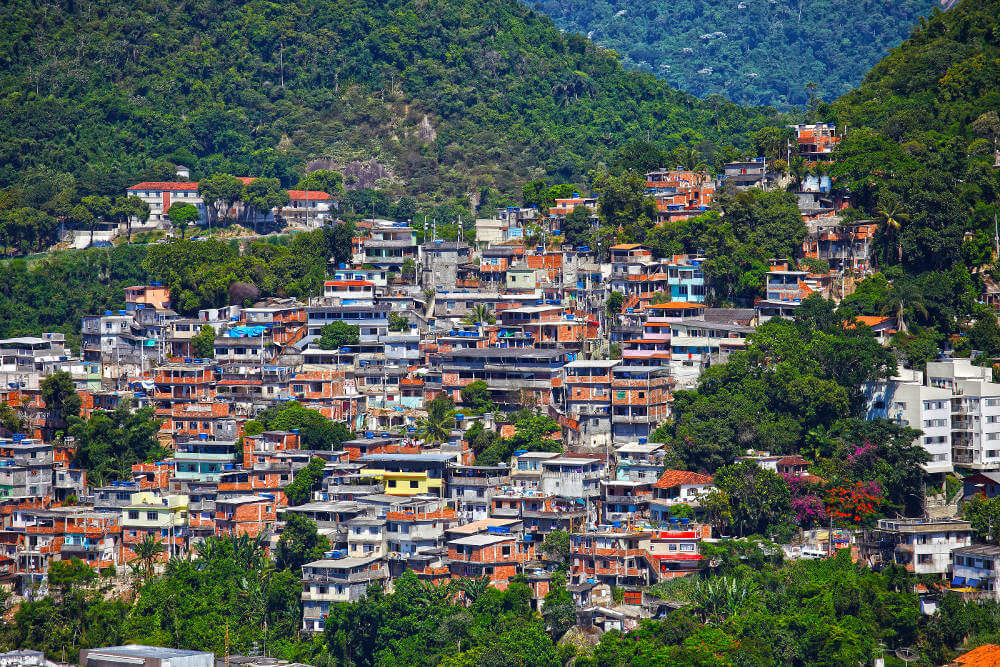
[926, 126]
[452, 96]
[751, 51]
[941, 79]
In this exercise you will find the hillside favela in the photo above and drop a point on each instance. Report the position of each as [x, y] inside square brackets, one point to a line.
[344, 333]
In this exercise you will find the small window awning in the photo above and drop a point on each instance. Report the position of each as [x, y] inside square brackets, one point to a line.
[972, 583]
[957, 581]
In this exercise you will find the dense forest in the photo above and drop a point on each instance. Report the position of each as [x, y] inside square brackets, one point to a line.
[454, 99]
[776, 52]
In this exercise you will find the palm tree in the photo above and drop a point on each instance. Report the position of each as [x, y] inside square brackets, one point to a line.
[480, 314]
[893, 216]
[474, 587]
[687, 157]
[903, 296]
[146, 552]
[436, 427]
[798, 170]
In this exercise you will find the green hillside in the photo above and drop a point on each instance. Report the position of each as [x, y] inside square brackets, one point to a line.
[750, 51]
[451, 98]
[925, 124]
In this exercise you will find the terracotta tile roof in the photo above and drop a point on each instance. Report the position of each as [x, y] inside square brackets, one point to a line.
[672, 478]
[871, 321]
[792, 460]
[176, 186]
[987, 655]
[625, 246]
[308, 194]
[166, 186]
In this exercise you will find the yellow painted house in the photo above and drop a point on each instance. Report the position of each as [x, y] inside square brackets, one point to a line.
[408, 474]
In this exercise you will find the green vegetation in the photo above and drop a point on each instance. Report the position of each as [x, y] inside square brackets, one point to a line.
[793, 378]
[110, 443]
[315, 430]
[306, 481]
[476, 395]
[782, 52]
[757, 226]
[437, 426]
[336, 335]
[203, 343]
[452, 98]
[299, 543]
[533, 434]
[60, 396]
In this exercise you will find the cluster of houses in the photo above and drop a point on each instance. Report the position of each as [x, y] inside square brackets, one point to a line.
[530, 323]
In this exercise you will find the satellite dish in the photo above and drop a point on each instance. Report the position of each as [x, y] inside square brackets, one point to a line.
[907, 655]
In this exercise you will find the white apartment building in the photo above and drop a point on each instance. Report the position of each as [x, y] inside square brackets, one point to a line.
[905, 400]
[571, 477]
[975, 411]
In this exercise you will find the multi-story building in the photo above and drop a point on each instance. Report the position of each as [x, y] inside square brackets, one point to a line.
[472, 488]
[496, 554]
[164, 518]
[975, 411]
[417, 527]
[844, 245]
[244, 515]
[573, 476]
[624, 501]
[615, 558]
[640, 400]
[526, 469]
[516, 376]
[638, 461]
[183, 383]
[408, 474]
[540, 513]
[587, 401]
[204, 460]
[439, 264]
[922, 546]
[697, 343]
[161, 195]
[372, 321]
[676, 550]
[336, 579]
[366, 537]
[309, 208]
[390, 245]
[816, 142]
[906, 401]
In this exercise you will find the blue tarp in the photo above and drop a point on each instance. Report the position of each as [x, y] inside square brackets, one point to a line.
[957, 581]
[246, 332]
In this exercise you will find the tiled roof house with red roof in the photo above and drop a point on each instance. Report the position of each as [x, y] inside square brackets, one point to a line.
[309, 207]
[677, 487]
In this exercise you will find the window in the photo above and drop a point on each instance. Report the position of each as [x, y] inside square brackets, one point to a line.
[133, 514]
[152, 516]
